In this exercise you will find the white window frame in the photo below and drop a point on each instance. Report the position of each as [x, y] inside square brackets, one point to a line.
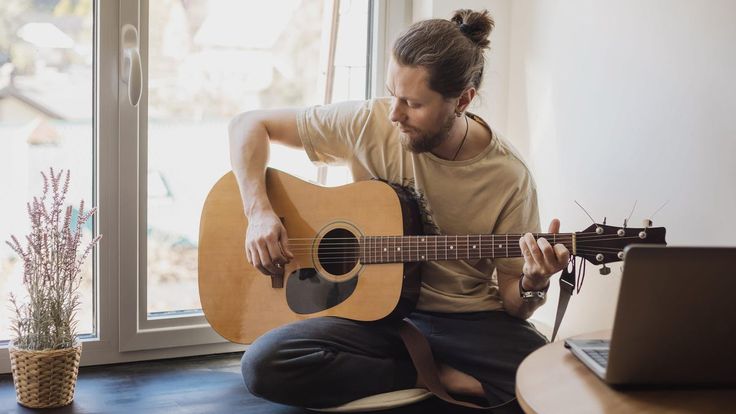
[123, 331]
[140, 332]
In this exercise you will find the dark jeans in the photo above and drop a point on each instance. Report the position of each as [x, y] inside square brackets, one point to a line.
[325, 362]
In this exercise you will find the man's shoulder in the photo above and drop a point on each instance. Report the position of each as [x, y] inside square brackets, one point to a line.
[513, 160]
[360, 111]
[374, 104]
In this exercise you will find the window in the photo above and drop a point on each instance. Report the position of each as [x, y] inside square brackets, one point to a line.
[65, 101]
[208, 61]
[46, 113]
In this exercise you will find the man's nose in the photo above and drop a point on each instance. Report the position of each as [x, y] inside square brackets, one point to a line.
[396, 114]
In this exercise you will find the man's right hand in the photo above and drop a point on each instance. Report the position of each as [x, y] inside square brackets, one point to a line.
[267, 244]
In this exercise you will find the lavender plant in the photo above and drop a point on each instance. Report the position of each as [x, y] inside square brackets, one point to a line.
[52, 264]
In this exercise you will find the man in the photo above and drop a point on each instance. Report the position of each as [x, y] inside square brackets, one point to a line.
[467, 180]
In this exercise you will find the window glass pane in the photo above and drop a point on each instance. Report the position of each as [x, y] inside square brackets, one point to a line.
[208, 61]
[46, 112]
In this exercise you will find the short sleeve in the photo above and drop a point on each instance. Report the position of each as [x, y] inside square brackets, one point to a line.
[520, 216]
[329, 133]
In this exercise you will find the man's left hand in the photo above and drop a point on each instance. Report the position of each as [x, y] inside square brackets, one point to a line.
[541, 259]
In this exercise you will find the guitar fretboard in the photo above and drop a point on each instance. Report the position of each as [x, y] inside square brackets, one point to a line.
[398, 249]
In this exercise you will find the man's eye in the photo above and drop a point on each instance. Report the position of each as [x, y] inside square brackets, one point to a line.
[414, 105]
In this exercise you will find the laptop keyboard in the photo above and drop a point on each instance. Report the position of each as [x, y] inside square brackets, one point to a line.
[599, 355]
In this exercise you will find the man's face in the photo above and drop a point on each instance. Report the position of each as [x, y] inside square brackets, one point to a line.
[423, 115]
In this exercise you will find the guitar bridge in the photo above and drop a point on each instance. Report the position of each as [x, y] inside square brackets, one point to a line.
[277, 282]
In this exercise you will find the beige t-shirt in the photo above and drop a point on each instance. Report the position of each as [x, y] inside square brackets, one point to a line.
[492, 193]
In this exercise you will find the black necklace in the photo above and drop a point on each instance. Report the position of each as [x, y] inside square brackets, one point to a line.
[463, 141]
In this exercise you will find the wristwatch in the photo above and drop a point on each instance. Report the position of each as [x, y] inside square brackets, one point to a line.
[532, 295]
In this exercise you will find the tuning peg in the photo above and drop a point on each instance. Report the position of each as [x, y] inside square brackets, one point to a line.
[605, 270]
[647, 223]
[604, 221]
[625, 222]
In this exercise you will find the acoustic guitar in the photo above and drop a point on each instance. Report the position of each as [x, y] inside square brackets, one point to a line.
[358, 250]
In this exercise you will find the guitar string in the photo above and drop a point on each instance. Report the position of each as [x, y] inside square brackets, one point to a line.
[429, 259]
[409, 245]
[368, 260]
[494, 239]
[582, 234]
[490, 253]
[483, 251]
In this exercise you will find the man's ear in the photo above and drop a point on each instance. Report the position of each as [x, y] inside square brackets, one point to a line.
[465, 99]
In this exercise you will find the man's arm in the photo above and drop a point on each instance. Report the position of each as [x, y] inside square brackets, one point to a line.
[266, 243]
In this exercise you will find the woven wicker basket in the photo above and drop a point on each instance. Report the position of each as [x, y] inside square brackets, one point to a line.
[45, 378]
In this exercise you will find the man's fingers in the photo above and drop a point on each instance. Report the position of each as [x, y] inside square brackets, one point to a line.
[550, 256]
[554, 226]
[534, 251]
[284, 243]
[265, 259]
[255, 260]
[563, 255]
[276, 255]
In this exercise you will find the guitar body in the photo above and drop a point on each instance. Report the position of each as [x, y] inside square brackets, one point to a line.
[241, 303]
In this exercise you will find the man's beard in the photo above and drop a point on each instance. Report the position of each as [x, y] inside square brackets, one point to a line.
[426, 143]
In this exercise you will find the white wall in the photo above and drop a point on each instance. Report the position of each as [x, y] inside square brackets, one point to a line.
[612, 103]
[621, 101]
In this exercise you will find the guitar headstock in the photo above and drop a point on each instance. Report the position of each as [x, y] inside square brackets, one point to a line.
[601, 244]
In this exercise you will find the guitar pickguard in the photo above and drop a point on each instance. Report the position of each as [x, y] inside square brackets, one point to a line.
[308, 292]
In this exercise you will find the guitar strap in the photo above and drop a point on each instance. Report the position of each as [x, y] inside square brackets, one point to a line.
[421, 353]
[567, 286]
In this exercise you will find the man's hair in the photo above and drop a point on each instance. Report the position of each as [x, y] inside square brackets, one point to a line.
[452, 51]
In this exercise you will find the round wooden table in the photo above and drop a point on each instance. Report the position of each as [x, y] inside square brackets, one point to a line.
[552, 380]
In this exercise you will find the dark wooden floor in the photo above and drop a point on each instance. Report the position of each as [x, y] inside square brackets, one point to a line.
[198, 385]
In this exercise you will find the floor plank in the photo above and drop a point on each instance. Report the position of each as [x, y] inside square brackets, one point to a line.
[196, 385]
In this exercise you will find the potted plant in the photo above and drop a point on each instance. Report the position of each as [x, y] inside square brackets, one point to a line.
[45, 351]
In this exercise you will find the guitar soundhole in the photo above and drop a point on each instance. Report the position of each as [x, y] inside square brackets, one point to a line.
[338, 251]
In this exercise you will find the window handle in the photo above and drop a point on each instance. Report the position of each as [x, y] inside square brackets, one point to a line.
[132, 72]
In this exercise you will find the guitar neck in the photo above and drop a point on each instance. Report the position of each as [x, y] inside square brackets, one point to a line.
[398, 249]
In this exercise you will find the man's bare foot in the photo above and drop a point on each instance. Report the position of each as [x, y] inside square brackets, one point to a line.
[457, 382]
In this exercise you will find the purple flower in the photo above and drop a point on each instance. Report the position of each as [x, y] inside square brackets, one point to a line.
[52, 264]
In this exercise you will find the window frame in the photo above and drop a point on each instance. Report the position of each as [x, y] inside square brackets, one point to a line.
[124, 332]
[142, 332]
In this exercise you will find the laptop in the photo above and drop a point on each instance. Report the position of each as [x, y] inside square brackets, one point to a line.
[675, 322]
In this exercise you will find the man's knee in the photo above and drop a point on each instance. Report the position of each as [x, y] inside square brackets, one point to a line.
[277, 365]
[257, 368]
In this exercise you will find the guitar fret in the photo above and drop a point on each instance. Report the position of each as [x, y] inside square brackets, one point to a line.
[418, 248]
[374, 252]
[390, 246]
[467, 246]
[373, 249]
[391, 249]
[382, 250]
[397, 250]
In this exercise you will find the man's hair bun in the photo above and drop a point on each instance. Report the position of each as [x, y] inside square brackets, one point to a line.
[475, 25]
